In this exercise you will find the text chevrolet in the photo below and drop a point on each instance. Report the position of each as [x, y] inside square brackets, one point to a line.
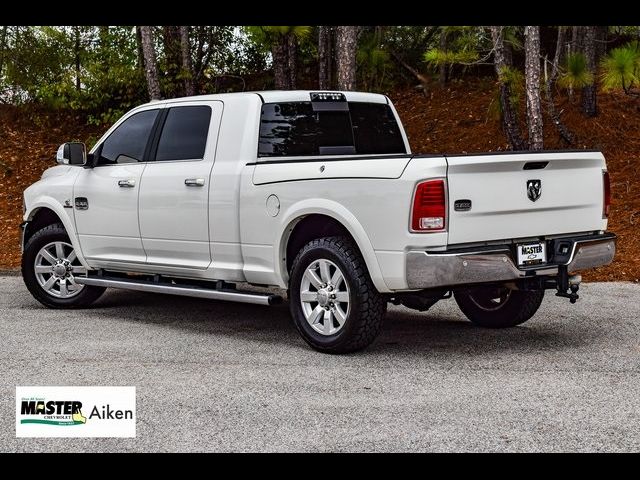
[317, 193]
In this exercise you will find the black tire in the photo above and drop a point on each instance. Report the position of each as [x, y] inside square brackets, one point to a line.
[367, 307]
[42, 237]
[514, 307]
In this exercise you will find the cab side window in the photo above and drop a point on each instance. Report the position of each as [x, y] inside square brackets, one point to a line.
[184, 133]
[128, 142]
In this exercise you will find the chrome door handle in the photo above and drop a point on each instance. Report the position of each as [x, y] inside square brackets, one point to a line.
[194, 182]
[129, 183]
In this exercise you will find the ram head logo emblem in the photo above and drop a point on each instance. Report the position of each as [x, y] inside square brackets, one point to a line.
[534, 189]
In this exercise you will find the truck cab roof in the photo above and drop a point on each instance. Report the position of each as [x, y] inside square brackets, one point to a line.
[275, 96]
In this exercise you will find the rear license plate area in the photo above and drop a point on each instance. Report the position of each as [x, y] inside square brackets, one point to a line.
[531, 254]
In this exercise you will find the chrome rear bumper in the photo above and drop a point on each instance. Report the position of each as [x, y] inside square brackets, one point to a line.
[495, 264]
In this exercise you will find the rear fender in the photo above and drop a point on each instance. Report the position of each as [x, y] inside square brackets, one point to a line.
[332, 209]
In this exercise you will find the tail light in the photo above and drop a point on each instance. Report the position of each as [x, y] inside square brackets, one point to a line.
[429, 207]
[606, 201]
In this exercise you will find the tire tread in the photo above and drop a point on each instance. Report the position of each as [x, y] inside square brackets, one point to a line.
[84, 299]
[372, 305]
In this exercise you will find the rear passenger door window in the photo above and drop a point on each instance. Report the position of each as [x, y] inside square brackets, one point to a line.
[184, 133]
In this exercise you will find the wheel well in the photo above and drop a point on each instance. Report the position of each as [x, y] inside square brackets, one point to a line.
[309, 228]
[40, 219]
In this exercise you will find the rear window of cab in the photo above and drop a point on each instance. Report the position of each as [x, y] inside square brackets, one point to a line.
[290, 129]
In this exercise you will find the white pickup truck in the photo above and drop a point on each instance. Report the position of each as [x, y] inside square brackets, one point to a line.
[317, 193]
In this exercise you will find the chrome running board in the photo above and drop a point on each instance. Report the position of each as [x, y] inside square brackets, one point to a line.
[184, 290]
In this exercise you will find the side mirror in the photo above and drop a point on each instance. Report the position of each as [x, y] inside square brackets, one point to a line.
[72, 153]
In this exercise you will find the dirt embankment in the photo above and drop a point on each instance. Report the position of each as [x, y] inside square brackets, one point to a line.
[454, 119]
[28, 142]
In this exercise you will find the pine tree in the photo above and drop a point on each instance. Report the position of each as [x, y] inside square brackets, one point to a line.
[150, 63]
[532, 86]
[346, 50]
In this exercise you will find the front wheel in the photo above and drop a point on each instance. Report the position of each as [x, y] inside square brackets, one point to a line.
[498, 307]
[333, 302]
[49, 267]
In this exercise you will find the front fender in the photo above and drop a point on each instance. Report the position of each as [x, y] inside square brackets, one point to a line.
[54, 205]
[338, 212]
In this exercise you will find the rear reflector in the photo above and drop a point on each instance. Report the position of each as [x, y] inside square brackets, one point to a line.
[606, 201]
[429, 207]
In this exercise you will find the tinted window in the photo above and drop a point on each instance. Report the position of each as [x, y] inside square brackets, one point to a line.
[375, 129]
[127, 142]
[292, 129]
[184, 135]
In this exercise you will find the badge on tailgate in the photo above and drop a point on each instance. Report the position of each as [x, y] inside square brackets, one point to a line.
[532, 254]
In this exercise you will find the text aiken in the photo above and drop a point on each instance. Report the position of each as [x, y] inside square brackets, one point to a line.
[107, 414]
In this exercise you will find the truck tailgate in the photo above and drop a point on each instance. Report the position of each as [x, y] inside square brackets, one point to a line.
[570, 196]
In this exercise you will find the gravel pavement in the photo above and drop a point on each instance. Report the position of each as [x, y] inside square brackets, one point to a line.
[216, 376]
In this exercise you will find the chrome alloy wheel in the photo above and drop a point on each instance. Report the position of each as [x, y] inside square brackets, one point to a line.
[55, 266]
[324, 296]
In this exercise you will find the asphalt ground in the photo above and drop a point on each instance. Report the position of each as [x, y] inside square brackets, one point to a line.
[217, 376]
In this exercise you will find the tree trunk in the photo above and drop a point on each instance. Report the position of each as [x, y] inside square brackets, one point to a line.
[172, 60]
[292, 60]
[442, 69]
[346, 49]
[532, 87]
[172, 47]
[558, 54]
[509, 114]
[323, 57]
[280, 63]
[187, 70]
[576, 39]
[602, 32]
[589, 93]
[331, 49]
[549, 81]
[76, 52]
[139, 48]
[150, 66]
[3, 47]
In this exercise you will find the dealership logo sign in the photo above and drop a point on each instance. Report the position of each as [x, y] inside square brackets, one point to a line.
[75, 411]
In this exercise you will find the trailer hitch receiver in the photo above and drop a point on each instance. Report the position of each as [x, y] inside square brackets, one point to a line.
[567, 285]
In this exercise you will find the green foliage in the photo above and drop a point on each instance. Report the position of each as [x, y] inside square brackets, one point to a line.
[621, 68]
[372, 59]
[437, 57]
[113, 82]
[514, 79]
[267, 35]
[35, 57]
[464, 45]
[576, 75]
[410, 41]
[96, 70]
[45, 64]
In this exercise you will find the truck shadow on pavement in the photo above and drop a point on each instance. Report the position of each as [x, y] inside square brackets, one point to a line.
[405, 331]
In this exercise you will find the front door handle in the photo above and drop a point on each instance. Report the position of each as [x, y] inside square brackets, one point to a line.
[128, 183]
[194, 182]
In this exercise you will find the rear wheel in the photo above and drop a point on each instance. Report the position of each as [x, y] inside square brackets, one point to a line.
[498, 307]
[49, 268]
[333, 302]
